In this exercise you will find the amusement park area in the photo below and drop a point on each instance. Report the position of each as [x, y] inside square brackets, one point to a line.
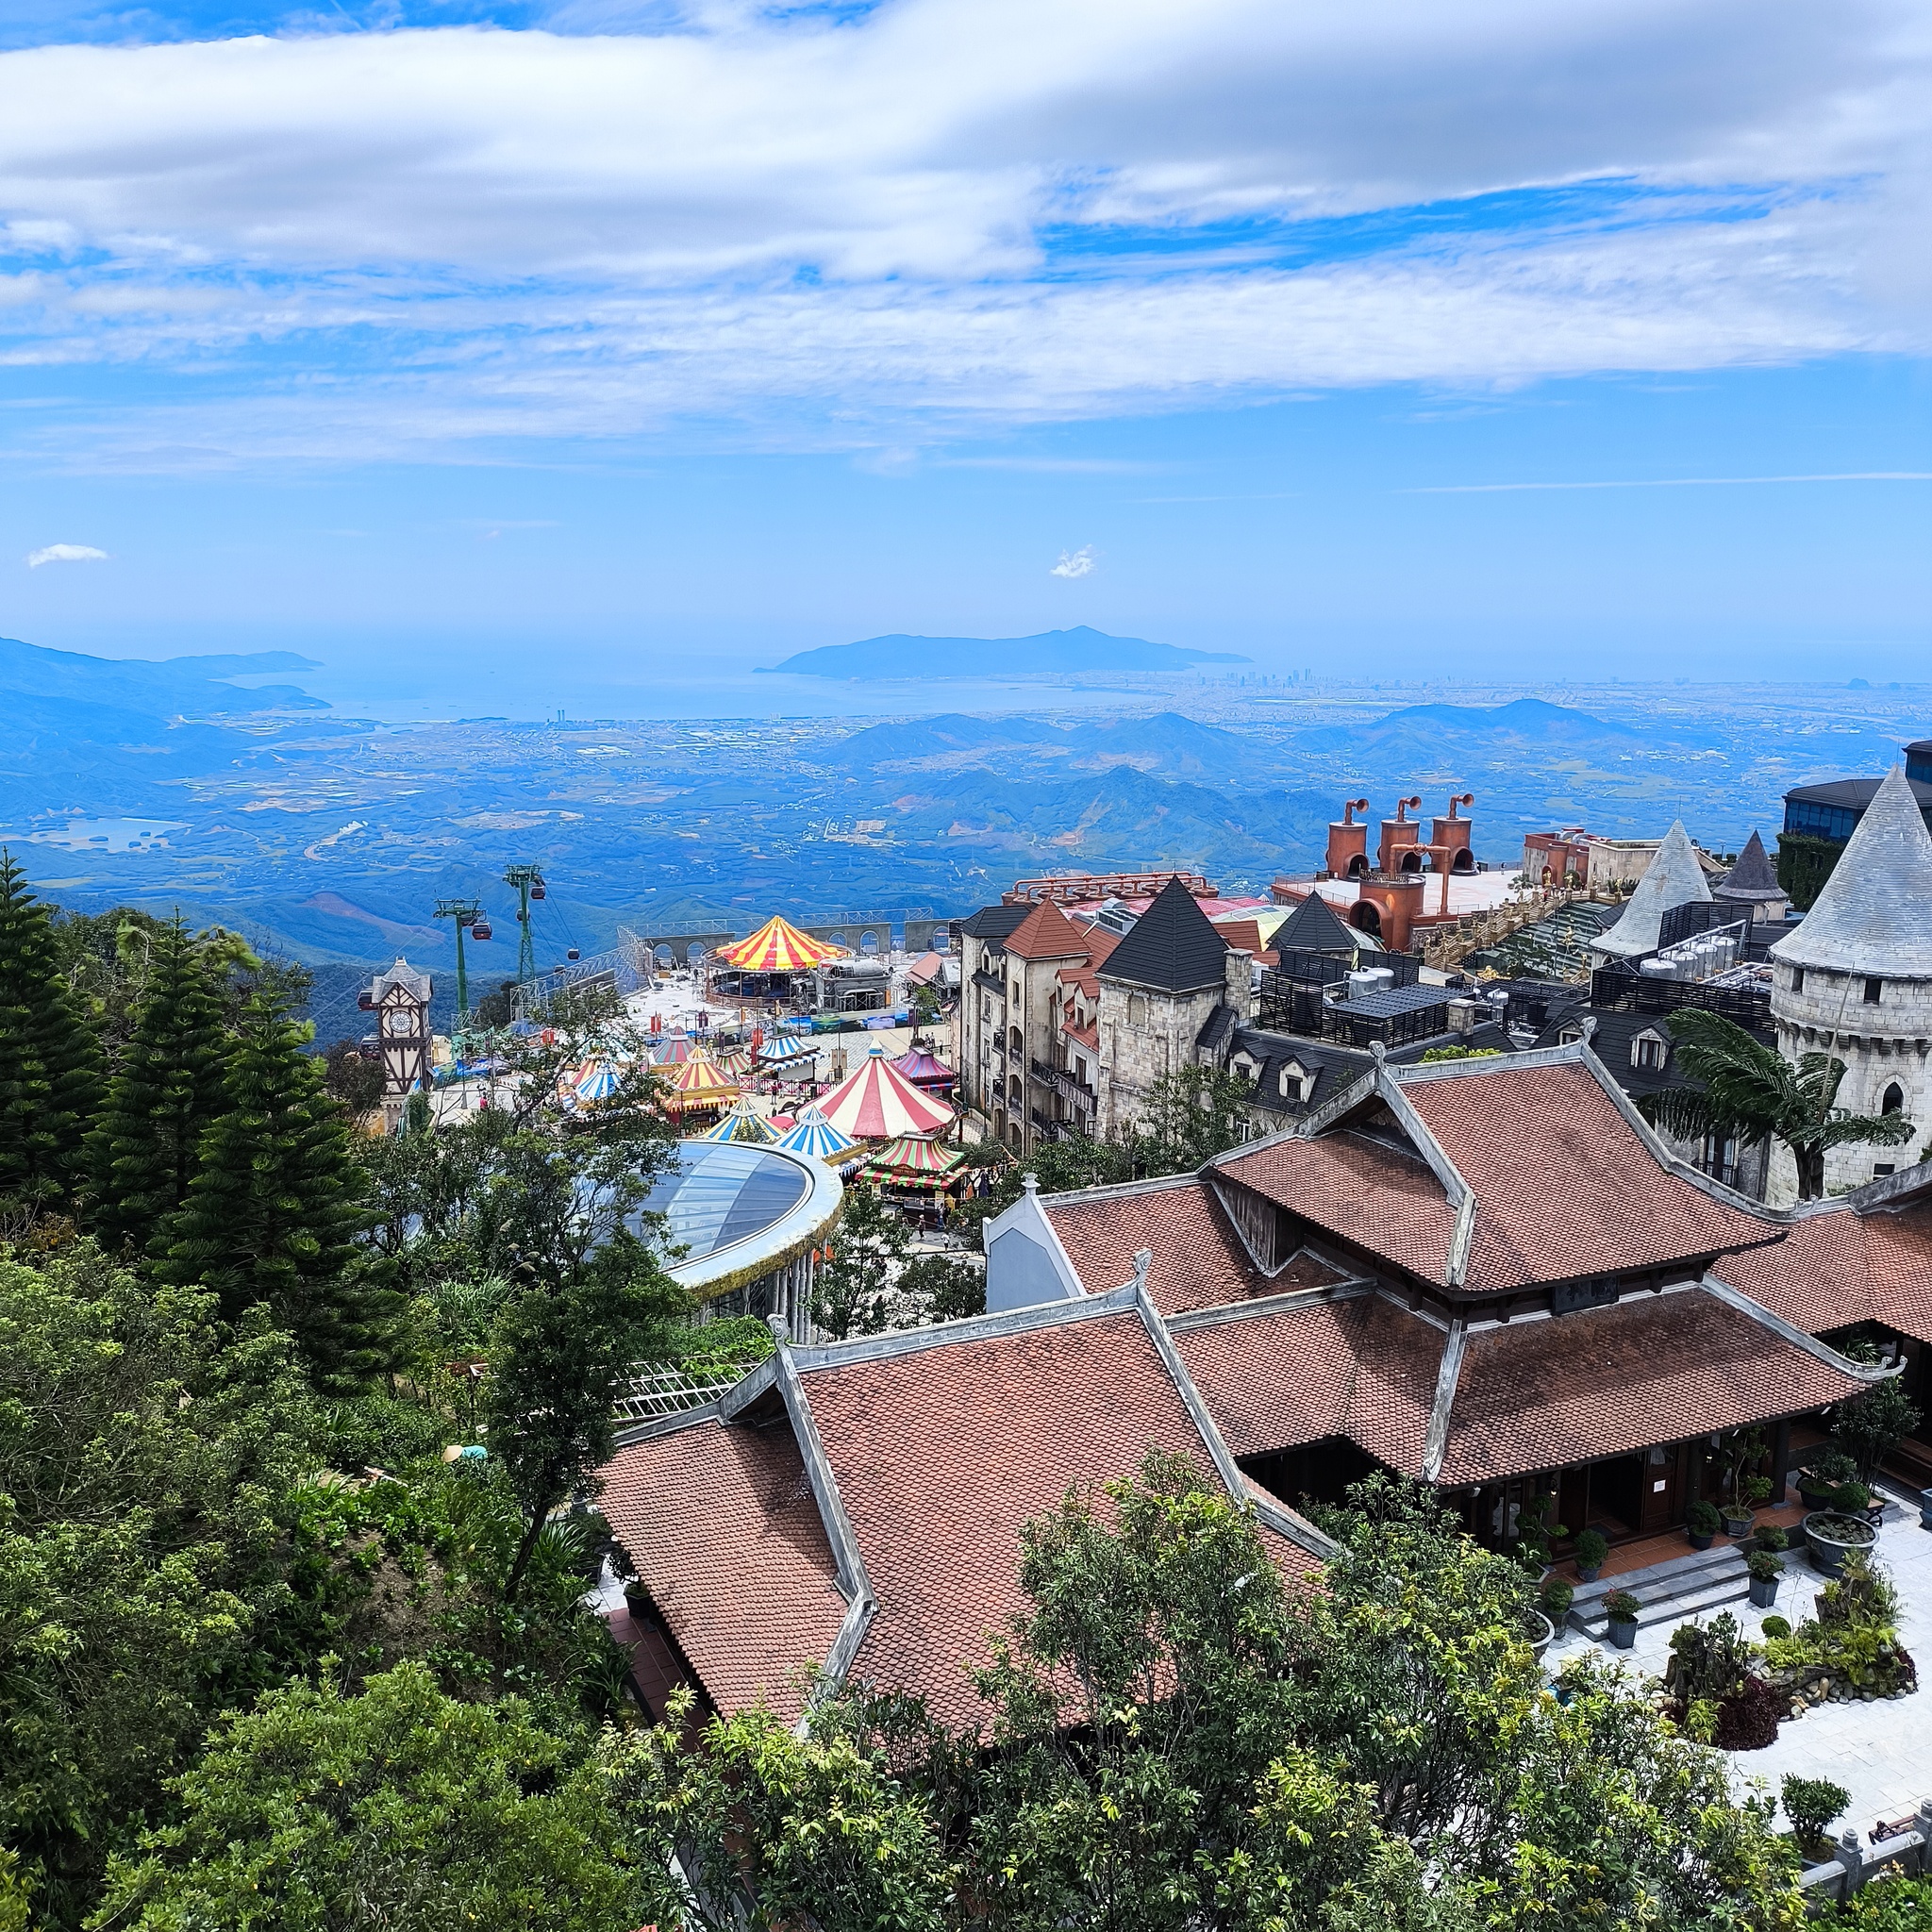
[793, 1068]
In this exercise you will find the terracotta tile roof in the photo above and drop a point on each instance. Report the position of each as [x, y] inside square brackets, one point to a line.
[1375, 1197]
[1047, 933]
[1198, 1263]
[1100, 942]
[941, 1456]
[1360, 1368]
[1564, 1186]
[1840, 1267]
[725, 1535]
[1654, 1369]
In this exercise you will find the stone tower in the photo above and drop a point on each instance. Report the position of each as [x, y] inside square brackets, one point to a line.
[1854, 980]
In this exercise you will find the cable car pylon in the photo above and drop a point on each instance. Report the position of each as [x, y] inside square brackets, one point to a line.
[528, 881]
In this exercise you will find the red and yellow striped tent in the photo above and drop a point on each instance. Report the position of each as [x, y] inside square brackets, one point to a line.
[700, 1084]
[778, 946]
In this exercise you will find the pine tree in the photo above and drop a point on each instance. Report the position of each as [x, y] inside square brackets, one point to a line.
[171, 1085]
[49, 1059]
[276, 1205]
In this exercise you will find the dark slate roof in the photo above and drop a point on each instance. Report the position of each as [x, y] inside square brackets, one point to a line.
[1172, 947]
[1215, 1027]
[995, 922]
[1613, 1040]
[1392, 1002]
[1857, 794]
[1315, 926]
[1753, 877]
[1337, 1067]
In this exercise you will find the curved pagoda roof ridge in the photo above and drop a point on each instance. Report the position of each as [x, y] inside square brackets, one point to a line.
[1173, 946]
[1875, 914]
[1675, 877]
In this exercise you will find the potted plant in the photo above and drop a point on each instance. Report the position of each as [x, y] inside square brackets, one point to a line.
[1703, 1525]
[1853, 1499]
[1773, 1539]
[1814, 1804]
[1823, 1473]
[1592, 1546]
[1556, 1598]
[1622, 1609]
[1830, 1536]
[1765, 1571]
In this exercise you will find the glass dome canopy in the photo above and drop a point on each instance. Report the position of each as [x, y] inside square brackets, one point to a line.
[737, 1212]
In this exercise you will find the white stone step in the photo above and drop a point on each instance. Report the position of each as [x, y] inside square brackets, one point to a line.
[1681, 1607]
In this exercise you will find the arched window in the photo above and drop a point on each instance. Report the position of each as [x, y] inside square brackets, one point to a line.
[1358, 867]
[1894, 1101]
[1365, 918]
[1648, 1052]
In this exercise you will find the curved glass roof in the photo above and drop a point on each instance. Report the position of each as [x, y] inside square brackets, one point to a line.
[722, 1196]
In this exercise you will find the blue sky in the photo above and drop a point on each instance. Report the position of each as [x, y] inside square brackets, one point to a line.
[596, 333]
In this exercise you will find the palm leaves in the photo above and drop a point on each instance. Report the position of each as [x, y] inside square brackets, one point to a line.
[1750, 1090]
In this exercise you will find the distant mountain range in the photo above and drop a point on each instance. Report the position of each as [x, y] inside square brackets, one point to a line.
[1079, 649]
[172, 687]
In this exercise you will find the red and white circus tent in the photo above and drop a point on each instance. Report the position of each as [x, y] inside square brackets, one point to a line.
[879, 1103]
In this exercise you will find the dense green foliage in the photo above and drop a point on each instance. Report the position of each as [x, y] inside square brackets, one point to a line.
[275, 1205]
[49, 1061]
[169, 1087]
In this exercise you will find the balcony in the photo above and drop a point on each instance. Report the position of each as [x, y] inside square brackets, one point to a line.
[1045, 1125]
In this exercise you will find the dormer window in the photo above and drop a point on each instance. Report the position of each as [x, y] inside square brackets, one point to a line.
[1648, 1052]
[1294, 1082]
[1570, 1036]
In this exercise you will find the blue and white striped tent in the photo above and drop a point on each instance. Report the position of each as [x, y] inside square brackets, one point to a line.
[812, 1133]
[598, 1081]
[744, 1125]
[778, 1052]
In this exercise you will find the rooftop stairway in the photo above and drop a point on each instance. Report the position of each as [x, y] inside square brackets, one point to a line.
[1669, 1593]
[1555, 948]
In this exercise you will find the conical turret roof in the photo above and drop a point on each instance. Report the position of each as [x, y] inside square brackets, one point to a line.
[1675, 879]
[1875, 914]
[1315, 926]
[1752, 877]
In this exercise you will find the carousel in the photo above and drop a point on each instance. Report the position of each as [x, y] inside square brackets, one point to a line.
[742, 1124]
[917, 1174]
[929, 1074]
[879, 1104]
[775, 964]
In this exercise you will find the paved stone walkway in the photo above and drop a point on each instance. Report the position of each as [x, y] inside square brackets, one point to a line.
[1880, 1752]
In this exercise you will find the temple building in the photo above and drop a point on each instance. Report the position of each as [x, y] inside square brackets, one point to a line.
[1487, 1275]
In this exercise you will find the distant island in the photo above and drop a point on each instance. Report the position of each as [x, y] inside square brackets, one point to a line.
[1079, 649]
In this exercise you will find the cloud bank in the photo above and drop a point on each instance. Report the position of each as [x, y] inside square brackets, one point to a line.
[950, 211]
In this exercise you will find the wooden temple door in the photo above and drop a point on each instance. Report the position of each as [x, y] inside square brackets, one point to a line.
[1661, 1500]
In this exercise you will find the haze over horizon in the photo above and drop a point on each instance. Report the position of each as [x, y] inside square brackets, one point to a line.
[449, 338]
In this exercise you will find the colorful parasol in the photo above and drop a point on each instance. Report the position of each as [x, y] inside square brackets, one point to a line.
[922, 1070]
[672, 1052]
[698, 1084]
[878, 1104]
[812, 1133]
[742, 1124]
[778, 946]
[738, 1062]
[912, 1163]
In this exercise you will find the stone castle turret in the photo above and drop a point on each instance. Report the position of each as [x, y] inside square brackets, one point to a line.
[1854, 980]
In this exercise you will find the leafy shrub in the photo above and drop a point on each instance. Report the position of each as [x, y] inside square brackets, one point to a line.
[1865, 1658]
[1748, 1719]
[1813, 1805]
[1764, 1566]
[1708, 1660]
[1777, 1627]
[1772, 1537]
[1556, 1598]
[1828, 1467]
[1860, 1595]
[1592, 1546]
[1896, 1903]
[1621, 1607]
[1704, 1519]
[1852, 1498]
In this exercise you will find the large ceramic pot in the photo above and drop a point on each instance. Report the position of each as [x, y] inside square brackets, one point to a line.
[1830, 1536]
[1763, 1591]
[1700, 1540]
[1814, 1495]
[1621, 1631]
[1738, 1523]
[1589, 1572]
[1542, 1634]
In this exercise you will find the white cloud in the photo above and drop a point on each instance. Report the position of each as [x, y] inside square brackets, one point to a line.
[65, 553]
[820, 229]
[1075, 563]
